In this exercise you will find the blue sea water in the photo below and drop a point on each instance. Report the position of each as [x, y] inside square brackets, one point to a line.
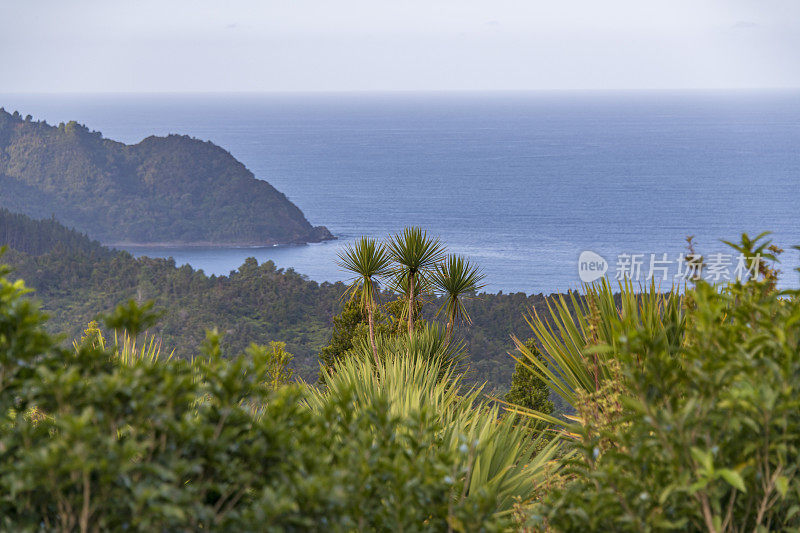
[520, 182]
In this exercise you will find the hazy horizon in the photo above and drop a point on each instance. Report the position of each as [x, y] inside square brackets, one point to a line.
[532, 92]
[91, 46]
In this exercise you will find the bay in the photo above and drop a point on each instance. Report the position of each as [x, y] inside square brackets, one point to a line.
[522, 183]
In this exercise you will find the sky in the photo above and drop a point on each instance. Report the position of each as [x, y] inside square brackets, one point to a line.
[396, 45]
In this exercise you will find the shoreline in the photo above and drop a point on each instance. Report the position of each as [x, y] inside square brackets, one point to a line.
[210, 244]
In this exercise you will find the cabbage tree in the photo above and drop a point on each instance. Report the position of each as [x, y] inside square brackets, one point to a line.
[368, 260]
[414, 255]
[457, 279]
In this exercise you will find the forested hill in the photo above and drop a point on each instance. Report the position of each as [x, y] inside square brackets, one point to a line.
[38, 237]
[77, 279]
[174, 189]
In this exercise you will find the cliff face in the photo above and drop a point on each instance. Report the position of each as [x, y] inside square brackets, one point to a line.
[171, 190]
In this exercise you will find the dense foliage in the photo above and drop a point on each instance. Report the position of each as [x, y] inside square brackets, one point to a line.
[95, 441]
[171, 189]
[687, 407]
[527, 389]
[76, 279]
[682, 407]
[349, 326]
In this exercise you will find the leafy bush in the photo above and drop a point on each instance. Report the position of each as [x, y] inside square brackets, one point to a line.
[528, 390]
[113, 438]
[694, 424]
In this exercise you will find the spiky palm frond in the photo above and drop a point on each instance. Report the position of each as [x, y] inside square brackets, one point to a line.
[413, 250]
[497, 459]
[399, 283]
[367, 259]
[126, 349]
[456, 278]
[128, 353]
[413, 254]
[428, 343]
[578, 335]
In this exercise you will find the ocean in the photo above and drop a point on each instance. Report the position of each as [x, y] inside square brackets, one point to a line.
[522, 183]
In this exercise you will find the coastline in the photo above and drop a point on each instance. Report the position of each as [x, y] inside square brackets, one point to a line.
[318, 234]
[210, 244]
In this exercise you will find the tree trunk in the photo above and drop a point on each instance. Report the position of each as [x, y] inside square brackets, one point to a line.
[448, 335]
[371, 320]
[410, 303]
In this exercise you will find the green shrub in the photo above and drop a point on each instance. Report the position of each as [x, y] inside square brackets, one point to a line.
[91, 440]
[695, 433]
[528, 390]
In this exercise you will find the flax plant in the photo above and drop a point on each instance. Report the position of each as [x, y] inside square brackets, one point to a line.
[578, 336]
[126, 348]
[499, 463]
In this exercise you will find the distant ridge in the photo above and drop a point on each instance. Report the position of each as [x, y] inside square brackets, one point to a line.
[173, 190]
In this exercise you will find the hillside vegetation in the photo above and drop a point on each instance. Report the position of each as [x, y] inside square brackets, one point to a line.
[76, 278]
[174, 189]
[101, 437]
[684, 418]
